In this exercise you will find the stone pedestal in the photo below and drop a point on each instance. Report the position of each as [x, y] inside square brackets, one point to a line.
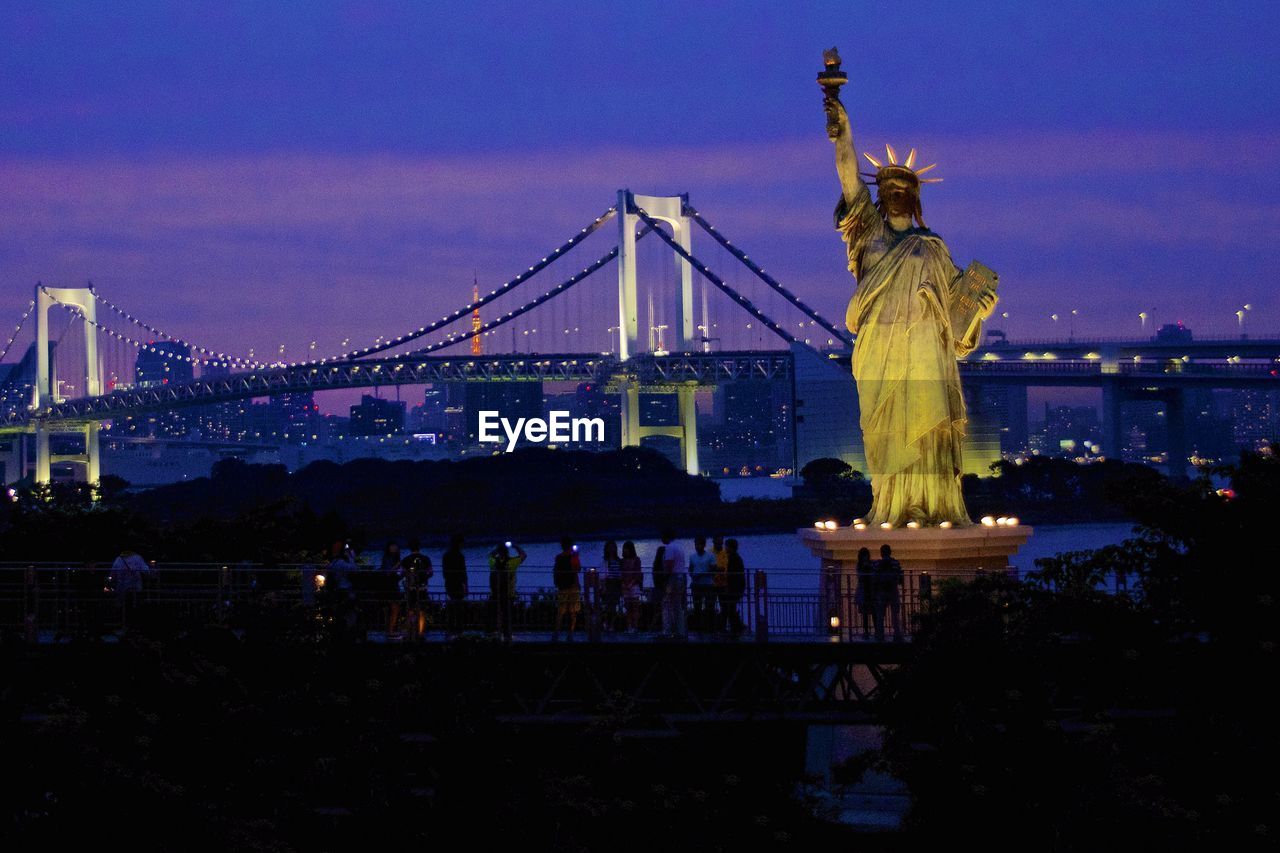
[927, 555]
[953, 551]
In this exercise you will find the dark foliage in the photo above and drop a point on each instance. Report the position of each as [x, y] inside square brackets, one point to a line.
[528, 489]
[1055, 715]
[1044, 489]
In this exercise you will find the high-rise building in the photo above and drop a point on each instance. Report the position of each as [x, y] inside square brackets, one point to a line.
[435, 404]
[374, 416]
[297, 414]
[163, 363]
[1255, 419]
[159, 363]
[466, 400]
[591, 400]
[1070, 430]
[1147, 429]
[755, 427]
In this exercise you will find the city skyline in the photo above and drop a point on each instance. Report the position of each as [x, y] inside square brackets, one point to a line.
[242, 185]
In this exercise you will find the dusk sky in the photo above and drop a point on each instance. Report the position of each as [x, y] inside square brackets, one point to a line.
[261, 173]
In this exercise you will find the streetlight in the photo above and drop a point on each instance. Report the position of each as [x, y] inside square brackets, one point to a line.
[1071, 335]
[1240, 318]
[1144, 316]
[661, 347]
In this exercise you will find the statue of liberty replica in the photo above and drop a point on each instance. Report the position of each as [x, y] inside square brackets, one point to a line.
[914, 313]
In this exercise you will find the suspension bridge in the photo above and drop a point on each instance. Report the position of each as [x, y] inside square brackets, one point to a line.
[675, 357]
[779, 337]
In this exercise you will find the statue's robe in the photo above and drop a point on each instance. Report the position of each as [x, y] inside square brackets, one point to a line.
[904, 361]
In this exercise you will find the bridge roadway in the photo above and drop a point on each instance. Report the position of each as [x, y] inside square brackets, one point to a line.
[1159, 348]
[653, 372]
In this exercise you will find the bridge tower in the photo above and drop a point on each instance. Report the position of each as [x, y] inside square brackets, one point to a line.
[45, 390]
[671, 210]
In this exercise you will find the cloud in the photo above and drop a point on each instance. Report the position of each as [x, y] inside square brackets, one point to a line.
[270, 247]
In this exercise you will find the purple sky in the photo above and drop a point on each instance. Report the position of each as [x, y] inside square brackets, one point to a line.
[281, 173]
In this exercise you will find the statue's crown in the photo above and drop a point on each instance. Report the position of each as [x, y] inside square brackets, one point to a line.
[903, 171]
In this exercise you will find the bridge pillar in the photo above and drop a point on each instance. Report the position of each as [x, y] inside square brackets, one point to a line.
[44, 391]
[689, 428]
[669, 209]
[41, 473]
[1175, 411]
[1112, 431]
[686, 430]
[92, 458]
[630, 399]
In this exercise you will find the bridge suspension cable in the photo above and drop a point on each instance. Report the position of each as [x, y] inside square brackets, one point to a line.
[380, 346]
[150, 346]
[219, 359]
[214, 357]
[742, 301]
[764, 276]
[455, 339]
[528, 306]
[18, 329]
[466, 310]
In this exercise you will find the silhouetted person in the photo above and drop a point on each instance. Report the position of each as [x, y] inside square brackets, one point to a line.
[568, 590]
[632, 585]
[342, 562]
[866, 596]
[659, 586]
[453, 565]
[735, 586]
[502, 584]
[722, 560]
[415, 571]
[673, 599]
[702, 578]
[611, 577]
[889, 586]
[127, 573]
[339, 592]
[387, 585]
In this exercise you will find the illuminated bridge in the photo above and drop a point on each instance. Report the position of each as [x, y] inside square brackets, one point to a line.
[758, 330]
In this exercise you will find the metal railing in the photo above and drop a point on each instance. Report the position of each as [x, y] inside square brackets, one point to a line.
[43, 602]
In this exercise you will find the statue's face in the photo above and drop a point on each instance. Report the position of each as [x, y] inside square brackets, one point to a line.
[897, 197]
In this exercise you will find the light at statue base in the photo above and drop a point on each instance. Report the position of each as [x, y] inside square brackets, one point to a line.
[942, 551]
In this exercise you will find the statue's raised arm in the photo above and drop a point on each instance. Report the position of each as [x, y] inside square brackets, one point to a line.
[831, 78]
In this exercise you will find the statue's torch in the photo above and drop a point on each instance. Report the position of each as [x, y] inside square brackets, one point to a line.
[831, 78]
